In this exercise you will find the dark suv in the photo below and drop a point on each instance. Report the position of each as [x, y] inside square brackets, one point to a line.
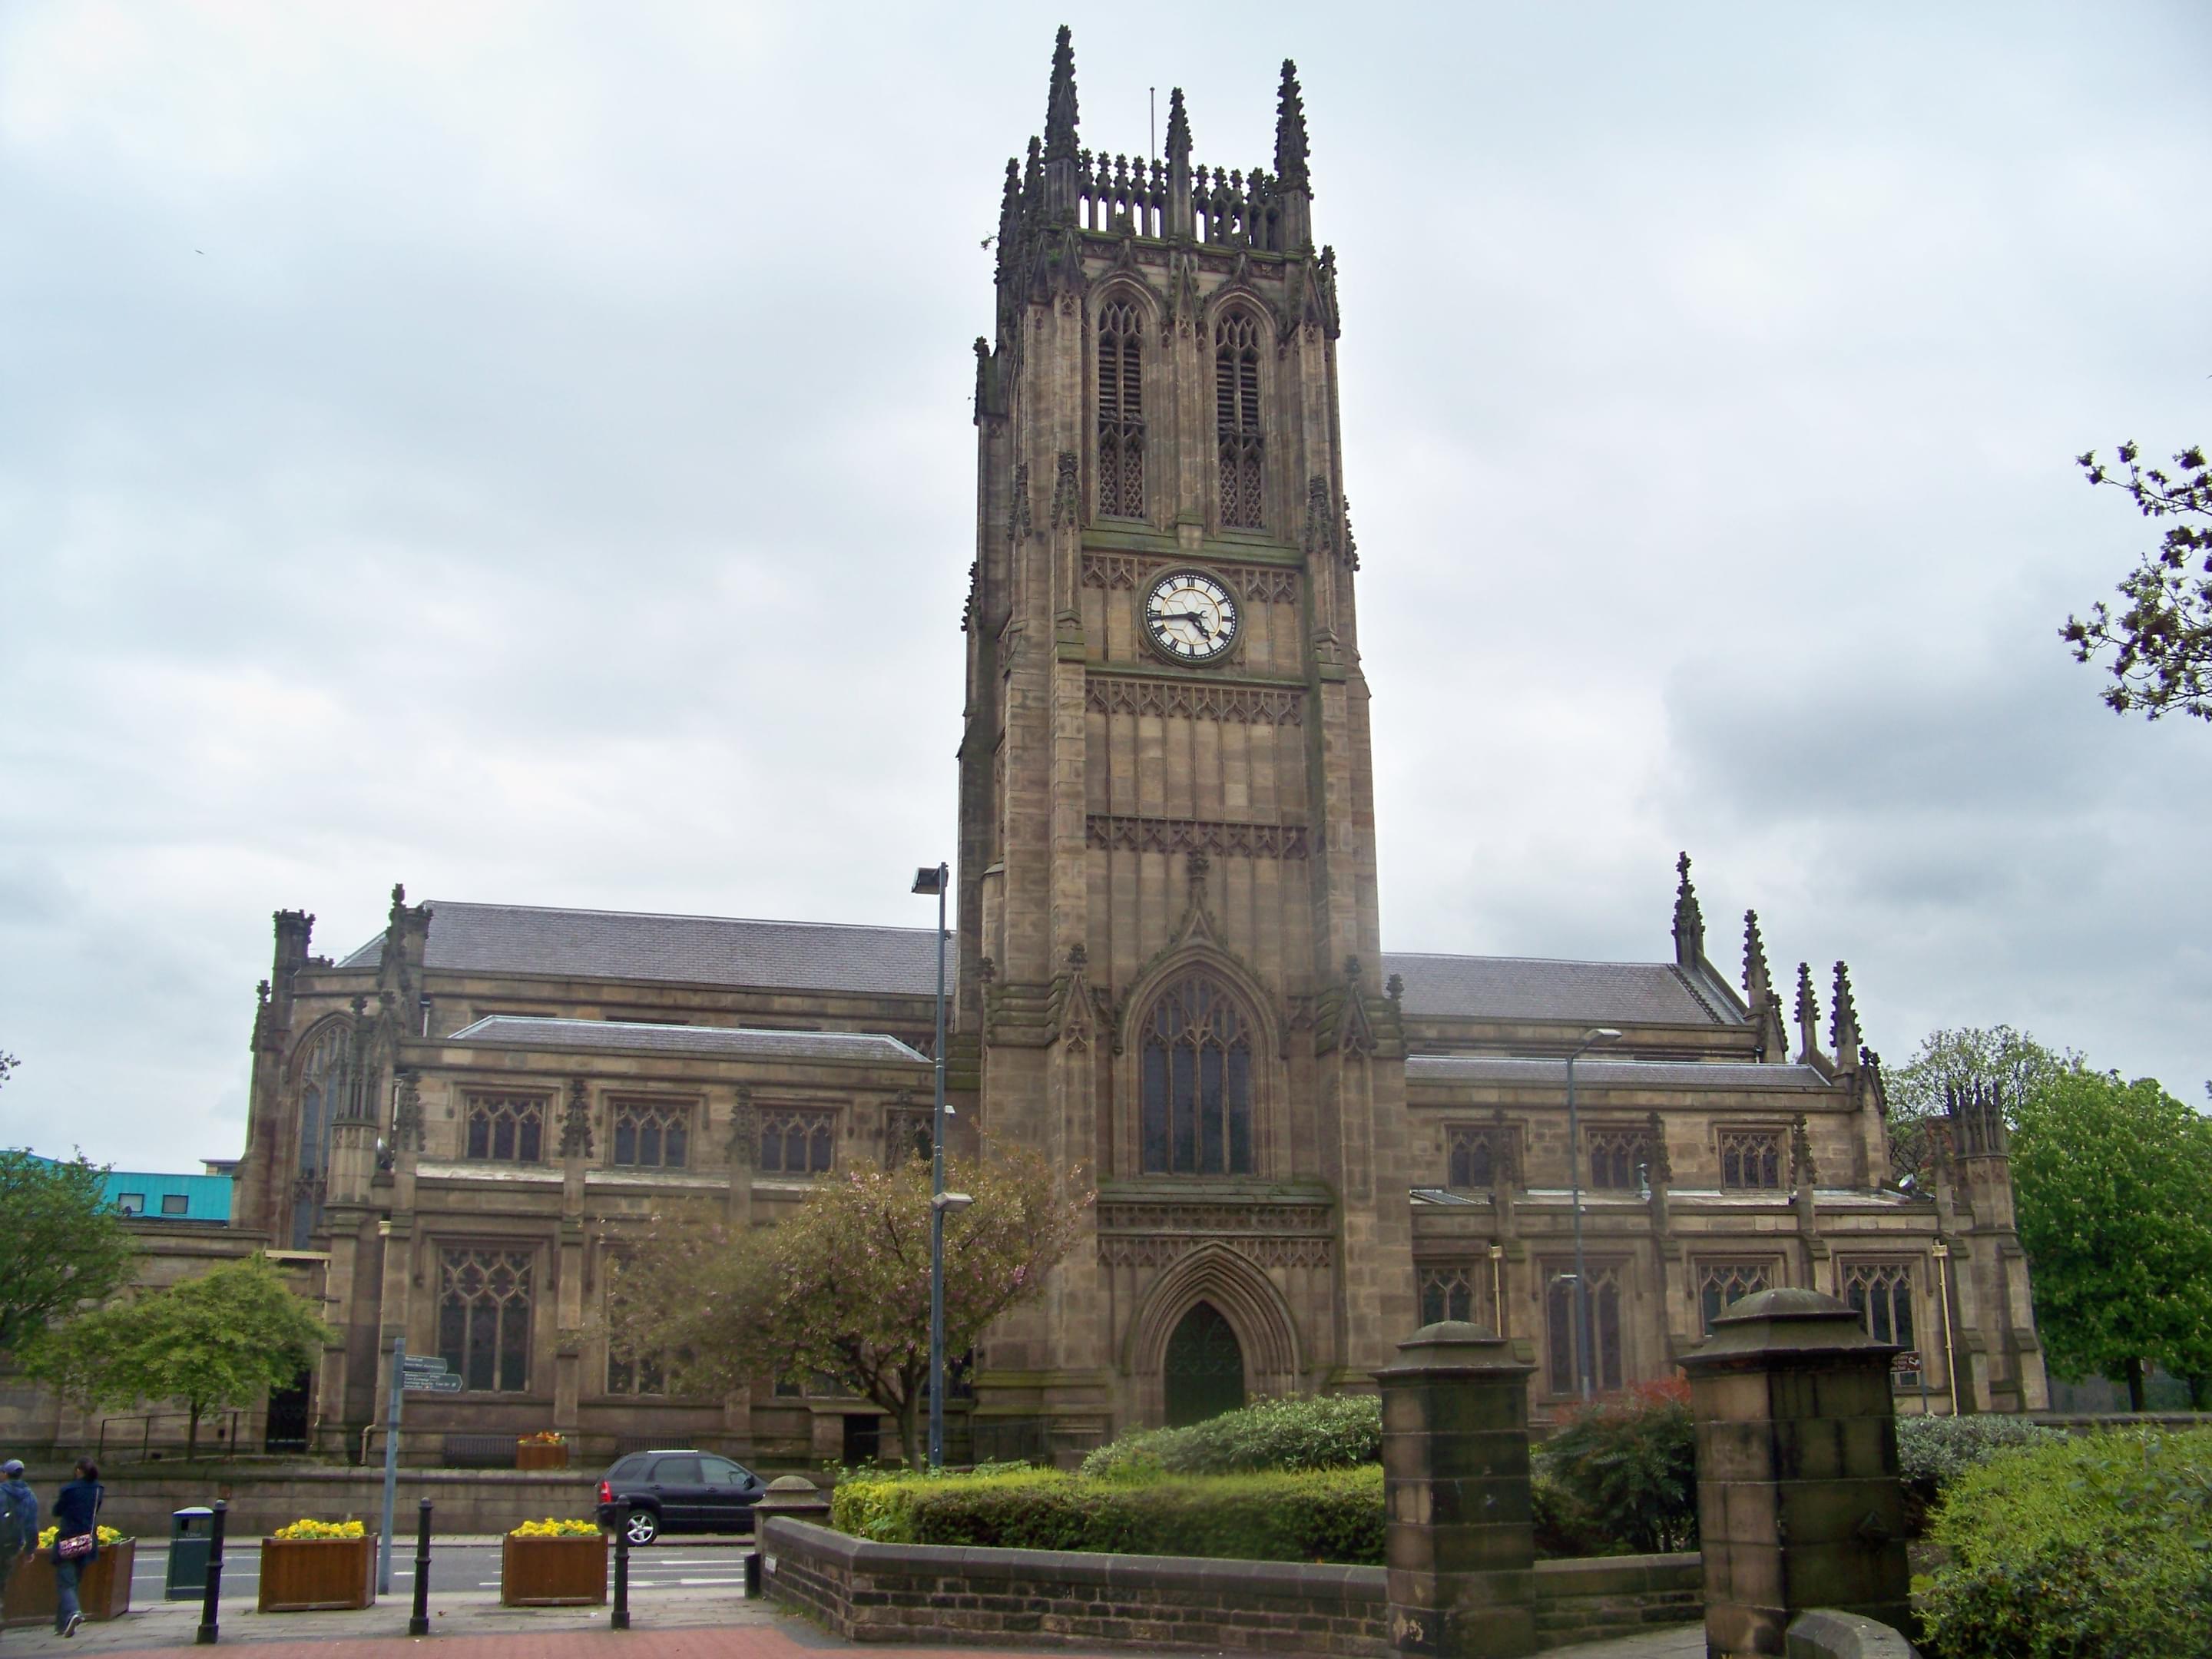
[679, 1492]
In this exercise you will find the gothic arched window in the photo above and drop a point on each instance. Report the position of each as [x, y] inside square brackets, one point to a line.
[1195, 1081]
[325, 1081]
[1120, 412]
[1236, 418]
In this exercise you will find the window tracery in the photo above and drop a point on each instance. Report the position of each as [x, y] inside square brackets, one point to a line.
[1195, 1082]
[1121, 411]
[795, 1142]
[1618, 1158]
[1236, 420]
[1563, 1344]
[1450, 1292]
[652, 1135]
[1881, 1293]
[1476, 1155]
[506, 1128]
[1723, 1283]
[483, 1318]
[1751, 1158]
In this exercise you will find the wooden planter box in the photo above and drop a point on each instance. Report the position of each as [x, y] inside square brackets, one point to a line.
[540, 1455]
[553, 1572]
[103, 1589]
[314, 1574]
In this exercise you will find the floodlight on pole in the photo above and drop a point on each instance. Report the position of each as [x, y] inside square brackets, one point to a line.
[1590, 1040]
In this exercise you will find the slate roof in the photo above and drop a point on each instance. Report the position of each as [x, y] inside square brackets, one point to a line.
[1630, 1074]
[1537, 987]
[811, 956]
[800, 956]
[522, 1031]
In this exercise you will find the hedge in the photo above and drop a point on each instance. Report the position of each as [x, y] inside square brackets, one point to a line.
[1326, 1515]
[2097, 1547]
[1318, 1433]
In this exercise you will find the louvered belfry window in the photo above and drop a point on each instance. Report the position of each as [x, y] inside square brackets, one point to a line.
[1121, 413]
[1237, 419]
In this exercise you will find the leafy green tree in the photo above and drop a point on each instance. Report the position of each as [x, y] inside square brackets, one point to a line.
[222, 1339]
[841, 1288]
[2012, 1062]
[2112, 1182]
[61, 1246]
[2161, 644]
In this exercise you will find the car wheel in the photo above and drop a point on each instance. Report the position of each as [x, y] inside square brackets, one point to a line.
[644, 1525]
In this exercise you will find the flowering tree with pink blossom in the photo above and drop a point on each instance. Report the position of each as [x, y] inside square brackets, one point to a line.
[841, 1288]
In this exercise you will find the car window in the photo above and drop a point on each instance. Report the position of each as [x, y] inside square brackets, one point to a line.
[630, 1468]
[721, 1471]
[677, 1471]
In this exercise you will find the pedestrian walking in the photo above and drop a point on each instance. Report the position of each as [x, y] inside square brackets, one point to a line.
[19, 1520]
[77, 1542]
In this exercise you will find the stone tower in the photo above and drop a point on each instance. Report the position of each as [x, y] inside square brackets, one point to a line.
[1168, 933]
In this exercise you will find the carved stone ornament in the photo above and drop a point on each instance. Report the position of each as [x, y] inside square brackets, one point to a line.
[407, 1114]
[743, 1142]
[1802, 1172]
[1137, 834]
[1067, 508]
[576, 1121]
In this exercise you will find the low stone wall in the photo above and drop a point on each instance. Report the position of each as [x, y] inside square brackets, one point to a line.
[1587, 1600]
[141, 1498]
[868, 1592]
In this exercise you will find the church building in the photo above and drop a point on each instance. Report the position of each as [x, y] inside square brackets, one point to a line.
[1168, 971]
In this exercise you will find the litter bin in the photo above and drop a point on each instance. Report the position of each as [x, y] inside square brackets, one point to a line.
[191, 1541]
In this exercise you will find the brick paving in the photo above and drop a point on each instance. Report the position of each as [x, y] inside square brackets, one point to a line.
[672, 1626]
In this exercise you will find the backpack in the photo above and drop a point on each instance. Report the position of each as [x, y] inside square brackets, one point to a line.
[16, 1537]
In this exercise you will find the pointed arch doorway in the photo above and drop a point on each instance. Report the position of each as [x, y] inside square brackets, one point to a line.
[1203, 1372]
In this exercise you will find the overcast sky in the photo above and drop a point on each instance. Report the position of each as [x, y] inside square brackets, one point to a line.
[524, 451]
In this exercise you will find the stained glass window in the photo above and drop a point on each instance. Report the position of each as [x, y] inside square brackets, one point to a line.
[1195, 1080]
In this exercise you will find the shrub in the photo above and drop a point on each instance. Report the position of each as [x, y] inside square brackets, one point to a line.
[553, 1527]
[1626, 1468]
[1326, 1515]
[2088, 1547]
[1318, 1433]
[1934, 1451]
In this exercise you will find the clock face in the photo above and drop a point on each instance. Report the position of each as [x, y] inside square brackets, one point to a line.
[1190, 617]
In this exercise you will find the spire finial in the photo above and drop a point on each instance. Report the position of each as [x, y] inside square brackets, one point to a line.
[1178, 129]
[1291, 133]
[1844, 1020]
[1060, 102]
[1689, 920]
[1808, 1012]
[1757, 978]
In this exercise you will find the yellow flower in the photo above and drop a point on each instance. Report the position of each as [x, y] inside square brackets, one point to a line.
[322, 1529]
[550, 1527]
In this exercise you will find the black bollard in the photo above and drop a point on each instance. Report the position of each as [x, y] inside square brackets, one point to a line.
[620, 1619]
[420, 1623]
[210, 1608]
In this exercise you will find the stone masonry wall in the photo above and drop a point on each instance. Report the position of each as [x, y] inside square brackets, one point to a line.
[1616, 1595]
[868, 1592]
[464, 1502]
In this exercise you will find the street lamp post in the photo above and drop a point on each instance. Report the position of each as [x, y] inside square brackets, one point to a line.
[1590, 1040]
[937, 881]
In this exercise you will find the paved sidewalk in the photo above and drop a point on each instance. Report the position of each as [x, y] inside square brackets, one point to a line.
[694, 1625]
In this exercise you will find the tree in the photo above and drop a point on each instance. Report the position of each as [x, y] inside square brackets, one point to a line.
[61, 1245]
[2012, 1062]
[2162, 642]
[222, 1339]
[2113, 1185]
[841, 1288]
